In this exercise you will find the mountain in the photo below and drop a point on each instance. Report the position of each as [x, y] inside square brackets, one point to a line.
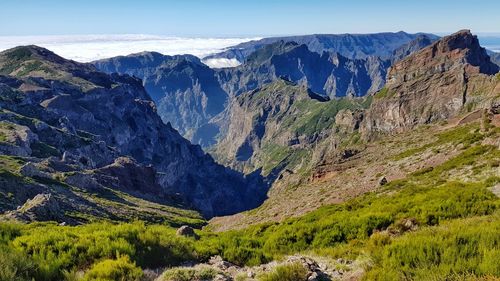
[353, 46]
[185, 90]
[328, 74]
[411, 47]
[272, 128]
[495, 57]
[438, 102]
[436, 83]
[67, 127]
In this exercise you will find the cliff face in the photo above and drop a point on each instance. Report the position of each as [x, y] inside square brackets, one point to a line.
[328, 74]
[433, 84]
[89, 119]
[186, 91]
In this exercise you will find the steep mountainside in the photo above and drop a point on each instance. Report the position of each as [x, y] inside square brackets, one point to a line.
[328, 74]
[449, 87]
[447, 78]
[353, 46]
[274, 128]
[66, 125]
[495, 57]
[185, 90]
[190, 95]
[413, 46]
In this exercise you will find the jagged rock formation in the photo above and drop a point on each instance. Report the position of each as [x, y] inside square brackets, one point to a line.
[433, 84]
[185, 90]
[274, 127]
[327, 74]
[353, 46]
[78, 122]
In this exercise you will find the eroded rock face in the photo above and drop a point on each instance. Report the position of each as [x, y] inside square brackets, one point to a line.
[89, 119]
[43, 207]
[433, 84]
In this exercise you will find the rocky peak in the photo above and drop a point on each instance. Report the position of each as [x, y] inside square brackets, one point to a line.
[450, 76]
[461, 49]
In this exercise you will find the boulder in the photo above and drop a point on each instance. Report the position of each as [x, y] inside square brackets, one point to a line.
[186, 231]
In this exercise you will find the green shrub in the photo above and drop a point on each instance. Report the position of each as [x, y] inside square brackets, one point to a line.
[287, 272]
[120, 269]
[15, 266]
[189, 274]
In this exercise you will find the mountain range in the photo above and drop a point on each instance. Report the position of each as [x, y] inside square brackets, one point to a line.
[322, 157]
[190, 95]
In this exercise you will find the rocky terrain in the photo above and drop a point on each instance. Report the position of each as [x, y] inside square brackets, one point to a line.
[66, 127]
[186, 91]
[451, 80]
[394, 183]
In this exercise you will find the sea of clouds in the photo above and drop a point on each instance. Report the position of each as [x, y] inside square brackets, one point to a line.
[86, 48]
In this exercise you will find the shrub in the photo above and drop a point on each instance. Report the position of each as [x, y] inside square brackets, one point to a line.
[287, 272]
[14, 266]
[120, 269]
[189, 274]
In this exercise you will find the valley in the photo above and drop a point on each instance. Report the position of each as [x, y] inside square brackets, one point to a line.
[332, 157]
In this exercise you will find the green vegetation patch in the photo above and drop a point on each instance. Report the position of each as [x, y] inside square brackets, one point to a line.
[286, 272]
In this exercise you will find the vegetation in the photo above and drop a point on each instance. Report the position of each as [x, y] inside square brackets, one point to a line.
[384, 93]
[287, 272]
[189, 274]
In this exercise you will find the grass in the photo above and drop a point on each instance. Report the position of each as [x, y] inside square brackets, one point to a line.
[287, 272]
[384, 93]
[464, 135]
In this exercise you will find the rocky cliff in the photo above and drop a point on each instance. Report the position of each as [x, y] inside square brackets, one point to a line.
[75, 120]
[451, 76]
[328, 74]
[186, 91]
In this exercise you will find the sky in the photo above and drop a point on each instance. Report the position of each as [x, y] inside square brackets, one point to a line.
[87, 30]
[244, 18]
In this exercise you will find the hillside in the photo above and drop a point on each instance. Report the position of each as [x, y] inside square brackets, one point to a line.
[348, 159]
[402, 184]
[65, 125]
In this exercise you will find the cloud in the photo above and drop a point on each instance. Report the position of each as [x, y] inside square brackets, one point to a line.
[221, 62]
[86, 48]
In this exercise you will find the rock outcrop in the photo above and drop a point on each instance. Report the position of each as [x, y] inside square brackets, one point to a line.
[87, 120]
[436, 83]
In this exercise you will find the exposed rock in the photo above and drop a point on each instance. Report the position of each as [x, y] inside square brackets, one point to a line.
[16, 139]
[382, 181]
[433, 84]
[43, 207]
[186, 231]
[92, 118]
[30, 169]
[84, 181]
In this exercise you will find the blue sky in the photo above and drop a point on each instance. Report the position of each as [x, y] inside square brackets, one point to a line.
[226, 18]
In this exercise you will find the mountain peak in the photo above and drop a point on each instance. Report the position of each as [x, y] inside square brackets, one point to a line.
[460, 49]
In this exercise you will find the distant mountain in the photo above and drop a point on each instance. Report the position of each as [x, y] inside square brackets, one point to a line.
[185, 90]
[328, 74]
[495, 57]
[353, 46]
[67, 125]
[413, 46]
[192, 97]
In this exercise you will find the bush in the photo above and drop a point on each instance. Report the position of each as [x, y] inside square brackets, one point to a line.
[14, 266]
[120, 269]
[287, 272]
[189, 274]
